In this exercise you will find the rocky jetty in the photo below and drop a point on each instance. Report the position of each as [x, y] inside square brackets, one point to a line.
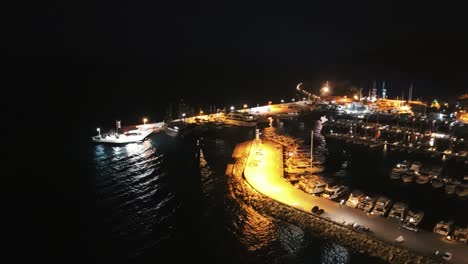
[314, 225]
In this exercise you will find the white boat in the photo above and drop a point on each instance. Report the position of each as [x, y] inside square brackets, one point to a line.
[367, 203]
[131, 136]
[354, 198]
[413, 218]
[240, 119]
[334, 191]
[382, 206]
[399, 168]
[412, 172]
[443, 227]
[398, 211]
[435, 172]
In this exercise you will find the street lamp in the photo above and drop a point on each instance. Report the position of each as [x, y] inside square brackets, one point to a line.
[144, 121]
[325, 89]
[201, 112]
[282, 100]
[99, 131]
[232, 108]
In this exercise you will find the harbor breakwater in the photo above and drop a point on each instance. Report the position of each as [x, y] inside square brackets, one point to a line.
[322, 228]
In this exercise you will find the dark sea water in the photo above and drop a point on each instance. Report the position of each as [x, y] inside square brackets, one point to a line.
[152, 202]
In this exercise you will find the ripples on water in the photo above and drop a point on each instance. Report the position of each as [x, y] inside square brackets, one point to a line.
[134, 204]
[137, 208]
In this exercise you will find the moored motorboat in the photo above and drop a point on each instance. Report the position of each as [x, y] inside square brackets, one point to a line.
[399, 168]
[398, 211]
[334, 191]
[318, 187]
[460, 234]
[413, 218]
[450, 185]
[424, 176]
[355, 198]
[443, 227]
[437, 182]
[367, 204]
[382, 206]
[407, 177]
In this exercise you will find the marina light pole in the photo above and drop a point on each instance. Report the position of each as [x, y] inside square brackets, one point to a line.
[144, 121]
[311, 146]
[99, 131]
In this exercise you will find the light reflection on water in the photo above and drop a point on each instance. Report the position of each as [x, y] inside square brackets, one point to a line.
[134, 204]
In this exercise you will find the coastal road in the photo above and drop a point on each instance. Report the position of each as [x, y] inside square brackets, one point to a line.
[264, 172]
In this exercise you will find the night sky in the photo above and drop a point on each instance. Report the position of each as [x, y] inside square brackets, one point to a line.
[111, 58]
[71, 66]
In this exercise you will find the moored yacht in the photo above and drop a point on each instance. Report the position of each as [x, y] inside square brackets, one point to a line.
[398, 211]
[435, 172]
[367, 203]
[382, 206]
[437, 182]
[130, 136]
[355, 198]
[413, 218]
[443, 227]
[240, 119]
[318, 187]
[413, 170]
[407, 176]
[399, 168]
[334, 191]
[424, 176]
[460, 234]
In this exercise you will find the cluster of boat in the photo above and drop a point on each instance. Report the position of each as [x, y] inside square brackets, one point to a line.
[414, 171]
[383, 206]
[296, 157]
[299, 170]
[451, 231]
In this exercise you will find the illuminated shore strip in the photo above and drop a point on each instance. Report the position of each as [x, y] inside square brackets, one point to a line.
[264, 172]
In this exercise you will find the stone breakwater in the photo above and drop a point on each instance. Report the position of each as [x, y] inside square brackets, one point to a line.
[355, 240]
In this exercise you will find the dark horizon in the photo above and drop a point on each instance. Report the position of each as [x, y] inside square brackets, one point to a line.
[107, 55]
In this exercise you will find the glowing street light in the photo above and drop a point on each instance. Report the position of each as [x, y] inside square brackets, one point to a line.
[145, 120]
[99, 131]
[356, 97]
[183, 114]
[201, 112]
[245, 106]
[325, 89]
[293, 100]
[232, 108]
[282, 100]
